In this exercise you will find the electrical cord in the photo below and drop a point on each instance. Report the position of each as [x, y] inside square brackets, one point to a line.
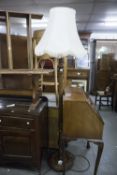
[76, 170]
[46, 171]
[82, 170]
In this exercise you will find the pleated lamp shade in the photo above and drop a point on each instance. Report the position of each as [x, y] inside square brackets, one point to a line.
[61, 38]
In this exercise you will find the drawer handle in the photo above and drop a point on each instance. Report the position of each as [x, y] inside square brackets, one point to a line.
[79, 73]
[0, 120]
[28, 123]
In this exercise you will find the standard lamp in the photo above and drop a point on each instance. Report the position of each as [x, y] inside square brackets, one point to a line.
[60, 40]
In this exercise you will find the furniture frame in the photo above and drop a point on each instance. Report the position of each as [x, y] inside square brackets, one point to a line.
[5, 17]
[85, 122]
[105, 99]
[23, 132]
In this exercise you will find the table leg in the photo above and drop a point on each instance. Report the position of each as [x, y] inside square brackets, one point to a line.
[100, 149]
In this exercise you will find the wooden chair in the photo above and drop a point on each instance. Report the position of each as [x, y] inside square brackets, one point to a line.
[104, 98]
[49, 63]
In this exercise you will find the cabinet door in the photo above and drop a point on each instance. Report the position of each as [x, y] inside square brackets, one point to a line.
[17, 145]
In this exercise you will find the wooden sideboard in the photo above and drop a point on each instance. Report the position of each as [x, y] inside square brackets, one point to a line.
[23, 132]
[78, 76]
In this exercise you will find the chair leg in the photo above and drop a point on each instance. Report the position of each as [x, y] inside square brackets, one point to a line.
[112, 102]
[99, 102]
[88, 145]
[107, 101]
[95, 99]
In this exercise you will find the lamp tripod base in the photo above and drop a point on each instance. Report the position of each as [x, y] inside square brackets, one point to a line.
[63, 164]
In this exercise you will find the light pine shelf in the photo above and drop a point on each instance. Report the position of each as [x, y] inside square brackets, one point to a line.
[26, 71]
[5, 16]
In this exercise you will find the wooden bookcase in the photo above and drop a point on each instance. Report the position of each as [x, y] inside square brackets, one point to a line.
[17, 68]
[5, 17]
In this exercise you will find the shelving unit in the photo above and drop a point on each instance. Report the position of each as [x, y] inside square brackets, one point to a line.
[5, 17]
[10, 69]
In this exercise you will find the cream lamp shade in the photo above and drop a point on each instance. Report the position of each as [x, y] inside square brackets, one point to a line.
[61, 38]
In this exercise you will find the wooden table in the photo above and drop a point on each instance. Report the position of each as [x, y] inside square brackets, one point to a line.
[81, 120]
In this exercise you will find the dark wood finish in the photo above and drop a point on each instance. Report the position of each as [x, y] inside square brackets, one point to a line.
[102, 79]
[105, 68]
[78, 74]
[23, 132]
[53, 127]
[100, 145]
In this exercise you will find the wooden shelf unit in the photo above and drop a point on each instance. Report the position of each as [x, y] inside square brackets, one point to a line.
[5, 17]
[12, 74]
[26, 71]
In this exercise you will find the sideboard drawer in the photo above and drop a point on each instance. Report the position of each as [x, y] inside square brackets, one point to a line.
[17, 122]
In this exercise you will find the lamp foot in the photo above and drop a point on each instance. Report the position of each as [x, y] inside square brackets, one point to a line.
[61, 164]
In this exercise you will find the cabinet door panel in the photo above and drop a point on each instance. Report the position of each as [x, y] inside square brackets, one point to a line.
[16, 146]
